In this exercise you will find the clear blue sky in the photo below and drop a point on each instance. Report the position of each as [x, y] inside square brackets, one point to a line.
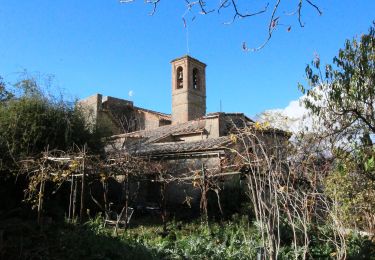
[102, 46]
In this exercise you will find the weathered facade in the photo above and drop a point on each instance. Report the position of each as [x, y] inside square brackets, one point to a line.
[121, 116]
[185, 141]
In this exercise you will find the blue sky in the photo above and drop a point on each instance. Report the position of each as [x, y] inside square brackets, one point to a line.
[102, 46]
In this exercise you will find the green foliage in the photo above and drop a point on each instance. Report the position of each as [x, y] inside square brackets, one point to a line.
[322, 247]
[4, 93]
[360, 247]
[31, 121]
[343, 96]
[352, 185]
[232, 240]
[236, 239]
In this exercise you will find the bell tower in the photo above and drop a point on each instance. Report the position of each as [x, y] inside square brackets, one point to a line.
[188, 89]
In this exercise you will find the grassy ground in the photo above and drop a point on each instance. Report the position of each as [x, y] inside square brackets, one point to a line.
[145, 239]
[25, 240]
[231, 240]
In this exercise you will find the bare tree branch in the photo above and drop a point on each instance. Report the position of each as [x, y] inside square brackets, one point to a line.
[273, 23]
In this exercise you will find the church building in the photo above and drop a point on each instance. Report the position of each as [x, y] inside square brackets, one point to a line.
[187, 140]
[188, 107]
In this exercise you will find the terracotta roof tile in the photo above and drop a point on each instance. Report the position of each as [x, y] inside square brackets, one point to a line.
[141, 148]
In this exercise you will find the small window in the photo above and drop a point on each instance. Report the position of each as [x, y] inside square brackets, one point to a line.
[180, 78]
[196, 79]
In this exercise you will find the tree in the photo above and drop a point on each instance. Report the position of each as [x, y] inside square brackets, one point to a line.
[342, 99]
[343, 96]
[239, 9]
[31, 121]
[4, 93]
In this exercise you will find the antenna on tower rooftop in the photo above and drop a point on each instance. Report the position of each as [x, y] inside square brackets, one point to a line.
[187, 33]
[187, 40]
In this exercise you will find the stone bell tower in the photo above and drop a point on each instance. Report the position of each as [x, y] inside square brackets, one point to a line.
[188, 89]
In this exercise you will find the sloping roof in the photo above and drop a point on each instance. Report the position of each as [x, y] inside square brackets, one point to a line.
[140, 148]
[156, 134]
[160, 114]
[190, 58]
[152, 142]
[161, 140]
[216, 114]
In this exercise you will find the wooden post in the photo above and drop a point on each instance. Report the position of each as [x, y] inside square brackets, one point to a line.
[204, 194]
[74, 199]
[71, 198]
[126, 200]
[41, 195]
[41, 190]
[83, 188]
[164, 206]
[105, 197]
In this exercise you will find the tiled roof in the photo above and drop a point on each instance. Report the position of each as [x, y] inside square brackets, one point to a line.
[215, 114]
[140, 148]
[150, 142]
[161, 140]
[156, 134]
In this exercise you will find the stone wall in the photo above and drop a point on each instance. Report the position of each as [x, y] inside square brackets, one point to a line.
[177, 192]
[119, 115]
[91, 107]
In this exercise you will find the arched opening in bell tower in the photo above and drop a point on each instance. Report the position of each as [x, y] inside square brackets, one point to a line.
[196, 84]
[180, 78]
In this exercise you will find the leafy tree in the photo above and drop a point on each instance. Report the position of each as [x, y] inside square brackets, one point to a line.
[32, 121]
[4, 93]
[343, 96]
[354, 193]
[342, 99]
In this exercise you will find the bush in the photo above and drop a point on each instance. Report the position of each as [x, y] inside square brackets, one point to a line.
[31, 121]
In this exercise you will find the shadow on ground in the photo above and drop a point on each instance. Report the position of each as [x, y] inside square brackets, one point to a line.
[22, 239]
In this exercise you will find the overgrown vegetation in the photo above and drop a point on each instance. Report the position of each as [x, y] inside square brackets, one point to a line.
[341, 99]
[235, 239]
[32, 121]
[312, 199]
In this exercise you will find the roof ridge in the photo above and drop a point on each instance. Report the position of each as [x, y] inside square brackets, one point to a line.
[153, 111]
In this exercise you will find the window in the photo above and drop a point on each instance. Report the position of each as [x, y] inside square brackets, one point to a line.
[196, 79]
[180, 78]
